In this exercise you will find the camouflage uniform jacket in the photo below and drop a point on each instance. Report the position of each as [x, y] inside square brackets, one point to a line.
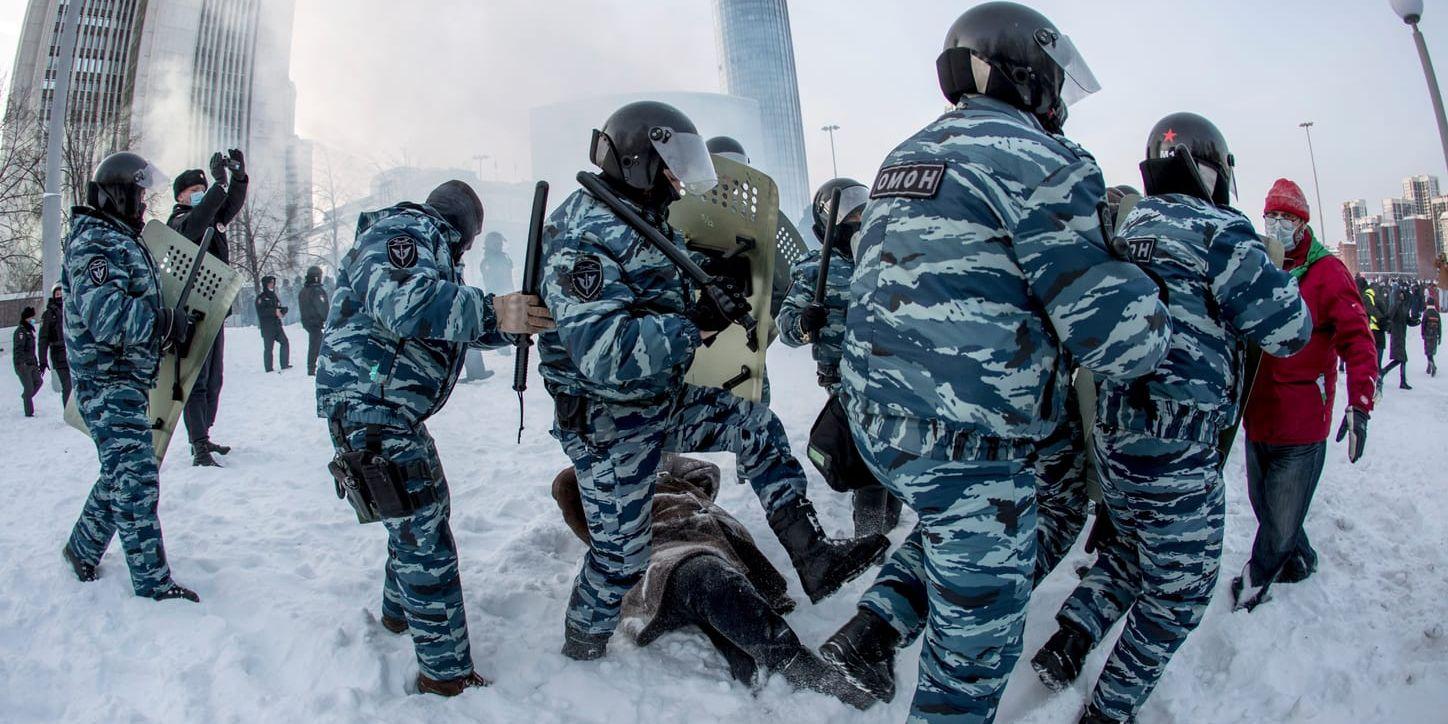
[112, 296]
[400, 320]
[1222, 290]
[829, 342]
[623, 331]
[981, 263]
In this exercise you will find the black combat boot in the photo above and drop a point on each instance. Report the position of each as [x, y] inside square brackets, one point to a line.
[213, 447]
[808, 671]
[1059, 662]
[876, 511]
[450, 687]
[201, 457]
[1093, 715]
[864, 649]
[174, 591]
[581, 646]
[395, 625]
[823, 564]
[84, 571]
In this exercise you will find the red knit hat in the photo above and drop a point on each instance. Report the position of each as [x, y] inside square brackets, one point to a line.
[1287, 197]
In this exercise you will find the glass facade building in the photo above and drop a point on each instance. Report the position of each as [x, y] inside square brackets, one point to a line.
[756, 61]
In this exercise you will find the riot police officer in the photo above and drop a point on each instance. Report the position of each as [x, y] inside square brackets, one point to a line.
[117, 326]
[982, 267]
[822, 326]
[1156, 437]
[628, 328]
[400, 323]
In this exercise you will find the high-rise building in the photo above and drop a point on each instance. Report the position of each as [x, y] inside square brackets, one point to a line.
[1352, 211]
[1348, 253]
[176, 80]
[756, 61]
[1420, 190]
[1395, 210]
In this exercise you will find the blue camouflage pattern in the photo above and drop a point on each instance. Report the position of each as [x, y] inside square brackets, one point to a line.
[969, 302]
[112, 294]
[1061, 497]
[397, 329]
[965, 304]
[421, 584]
[621, 349]
[1156, 438]
[1223, 291]
[1167, 504]
[626, 337]
[828, 343]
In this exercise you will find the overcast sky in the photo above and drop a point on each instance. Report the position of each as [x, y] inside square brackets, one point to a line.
[437, 82]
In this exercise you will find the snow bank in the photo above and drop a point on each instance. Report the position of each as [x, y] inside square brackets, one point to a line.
[288, 629]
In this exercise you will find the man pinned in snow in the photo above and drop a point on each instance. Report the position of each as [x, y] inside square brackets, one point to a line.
[1157, 437]
[628, 328]
[1290, 412]
[400, 322]
[706, 571]
[801, 322]
[116, 328]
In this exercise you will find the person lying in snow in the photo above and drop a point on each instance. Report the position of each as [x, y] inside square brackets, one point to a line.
[706, 571]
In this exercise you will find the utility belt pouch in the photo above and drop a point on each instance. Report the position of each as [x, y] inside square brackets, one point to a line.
[832, 450]
[572, 413]
[351, 486]
[374, 486]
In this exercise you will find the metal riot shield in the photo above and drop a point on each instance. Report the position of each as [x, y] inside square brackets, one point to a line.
[212, 292]
[735, 226]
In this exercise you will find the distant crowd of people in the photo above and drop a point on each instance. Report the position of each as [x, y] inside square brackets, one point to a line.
[1393, 306]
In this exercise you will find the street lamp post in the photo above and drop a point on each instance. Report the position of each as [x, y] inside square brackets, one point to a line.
[1316, 185]
[1411, 11]
[834, 165]
[51, 202]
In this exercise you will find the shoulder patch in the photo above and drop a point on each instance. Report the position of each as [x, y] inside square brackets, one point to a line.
[586, 278]
[1141, 250]
[909, 181]
[402, 251]
[99, 270]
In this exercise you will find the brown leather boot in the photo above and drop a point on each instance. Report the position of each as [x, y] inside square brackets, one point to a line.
[450, 687]
[395, 625]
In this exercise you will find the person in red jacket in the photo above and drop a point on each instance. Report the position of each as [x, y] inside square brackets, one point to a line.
[1290, 411]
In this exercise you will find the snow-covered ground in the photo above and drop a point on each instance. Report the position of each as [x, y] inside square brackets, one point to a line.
[288, 629]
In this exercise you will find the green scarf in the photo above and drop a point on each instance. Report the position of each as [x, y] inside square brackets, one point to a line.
[1315, 253]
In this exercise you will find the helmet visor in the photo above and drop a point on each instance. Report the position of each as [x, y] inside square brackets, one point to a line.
[687, 157]
[150, 177]
[735, 157]
[852, 202]
[1079, 81]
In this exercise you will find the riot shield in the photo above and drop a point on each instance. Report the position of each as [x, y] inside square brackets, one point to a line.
[214, 289]
[735, 226]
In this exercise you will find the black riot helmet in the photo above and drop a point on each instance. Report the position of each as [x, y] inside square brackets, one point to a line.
[1187, 154]
[459, 205]
[853, 197]
[728, 148]
[1014, 54]
[314, 274]
[119, 185]
[641, 141]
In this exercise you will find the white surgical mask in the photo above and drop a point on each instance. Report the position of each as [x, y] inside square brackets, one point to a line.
[197, 197]
[1284, 231]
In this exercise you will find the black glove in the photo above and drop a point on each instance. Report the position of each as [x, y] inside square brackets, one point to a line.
[1355, 428]
[218, 168]
[284, 310]
[708, 317]
[173, 328]
[812, 320]
[237, 164]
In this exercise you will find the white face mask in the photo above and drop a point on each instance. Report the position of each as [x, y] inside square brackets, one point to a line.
[1284, 231]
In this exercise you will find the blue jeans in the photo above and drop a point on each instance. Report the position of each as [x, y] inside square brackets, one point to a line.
[1280, 482]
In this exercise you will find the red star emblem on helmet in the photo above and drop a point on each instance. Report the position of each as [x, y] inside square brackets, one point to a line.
[1170, 136]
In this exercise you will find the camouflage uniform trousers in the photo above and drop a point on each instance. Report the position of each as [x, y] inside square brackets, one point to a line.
[966, 569]
[1165, 498]
[898, 594]
[124, 499]
[617, 460]
[421, 584]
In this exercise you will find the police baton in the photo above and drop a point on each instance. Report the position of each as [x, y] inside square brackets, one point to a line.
[184, 349]
[823, 280]
[734, 306]
[532, 280]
